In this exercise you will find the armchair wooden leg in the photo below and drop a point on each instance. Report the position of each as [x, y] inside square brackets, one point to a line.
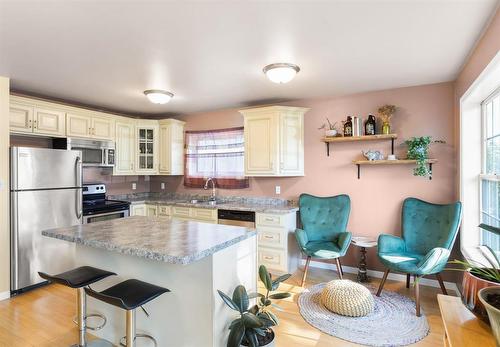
[417, 296]
[441, 283]
[381, 286]
[305, 271]
[339, 268]
[407, 280]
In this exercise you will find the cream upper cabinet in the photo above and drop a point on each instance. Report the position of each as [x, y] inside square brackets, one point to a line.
[103, 128]
[89, 126]
[146, 158]
[21, 117]
[125, 147]
[78, 125]
[49, 122]
[171, 150]
[274, 141]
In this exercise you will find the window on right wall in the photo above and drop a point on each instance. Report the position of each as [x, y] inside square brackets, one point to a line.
[490, 173]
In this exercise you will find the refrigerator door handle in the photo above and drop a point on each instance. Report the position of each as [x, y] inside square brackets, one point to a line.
[14, 276]
[78, 171]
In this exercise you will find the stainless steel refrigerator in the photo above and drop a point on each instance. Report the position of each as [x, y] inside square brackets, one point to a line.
[46, 192]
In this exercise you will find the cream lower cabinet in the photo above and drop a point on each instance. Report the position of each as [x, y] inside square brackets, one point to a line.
[125, 148]
[206, 215]
[143, 210]
[278, 249]
[274, 141]
[171, 151]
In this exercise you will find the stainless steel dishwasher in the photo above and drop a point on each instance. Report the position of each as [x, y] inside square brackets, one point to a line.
[238, 218]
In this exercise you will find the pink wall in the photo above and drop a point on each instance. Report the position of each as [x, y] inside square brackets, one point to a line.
[377, 196]
[116, 184]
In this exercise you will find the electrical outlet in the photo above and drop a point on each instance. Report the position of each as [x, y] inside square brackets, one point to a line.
[134, 186]
[278, 190]
[162, 185]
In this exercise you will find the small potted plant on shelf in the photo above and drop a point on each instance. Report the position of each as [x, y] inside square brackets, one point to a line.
[418, 149]
[476, 277]
[253, 325]
[330, 129]
[386, 112]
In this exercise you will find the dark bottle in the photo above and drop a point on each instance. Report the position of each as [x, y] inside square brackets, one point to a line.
[370, 125]
[348, 127]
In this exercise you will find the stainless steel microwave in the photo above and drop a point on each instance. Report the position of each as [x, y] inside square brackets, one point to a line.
[94, 152]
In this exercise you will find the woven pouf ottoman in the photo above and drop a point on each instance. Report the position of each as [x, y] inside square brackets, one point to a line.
[347, 298]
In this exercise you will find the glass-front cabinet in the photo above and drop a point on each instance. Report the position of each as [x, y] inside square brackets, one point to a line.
[147, 147]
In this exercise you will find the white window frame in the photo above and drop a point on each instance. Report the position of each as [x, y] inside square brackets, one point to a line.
[471, 143]
[483, 176]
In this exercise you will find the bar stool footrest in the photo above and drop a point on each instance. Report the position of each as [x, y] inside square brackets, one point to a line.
[145, 336]
[98, 315]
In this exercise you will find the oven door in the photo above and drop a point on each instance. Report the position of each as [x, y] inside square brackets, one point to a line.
[105, 216]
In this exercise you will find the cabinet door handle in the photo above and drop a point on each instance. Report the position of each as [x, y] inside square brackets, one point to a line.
[268, 258]
[34, 122]
[29, 123]
[269, 219]
[268, 237]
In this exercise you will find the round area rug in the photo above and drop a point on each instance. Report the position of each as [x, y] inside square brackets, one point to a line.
[392, 323]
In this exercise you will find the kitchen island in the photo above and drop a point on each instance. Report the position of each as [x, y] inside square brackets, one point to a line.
[192, 259]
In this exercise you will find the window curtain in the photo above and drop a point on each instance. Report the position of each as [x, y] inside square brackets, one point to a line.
[218, 154]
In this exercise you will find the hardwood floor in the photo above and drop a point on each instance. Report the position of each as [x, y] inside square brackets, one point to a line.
[43, 317]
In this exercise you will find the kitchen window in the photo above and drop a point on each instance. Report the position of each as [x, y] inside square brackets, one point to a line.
[218, 154]
[490, 173]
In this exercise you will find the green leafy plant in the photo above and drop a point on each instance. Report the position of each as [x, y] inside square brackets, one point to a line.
[254, 323]
[418, 149]
[489, 272]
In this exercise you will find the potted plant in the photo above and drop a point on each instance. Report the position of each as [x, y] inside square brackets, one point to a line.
[386, 112]
[418, 149]
[330, 129]
[253, 325]
[490, 298]
[476, 277]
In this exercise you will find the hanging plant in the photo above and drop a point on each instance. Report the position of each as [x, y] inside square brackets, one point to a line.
[418, 149]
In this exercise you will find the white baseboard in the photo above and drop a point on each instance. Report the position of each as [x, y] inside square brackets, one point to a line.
[4, 295]
[378, 274]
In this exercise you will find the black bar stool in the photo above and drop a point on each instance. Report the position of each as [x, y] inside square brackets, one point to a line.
[129, 295]
[79, 278]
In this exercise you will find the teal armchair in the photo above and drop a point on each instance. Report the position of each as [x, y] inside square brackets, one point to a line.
[428, 233]
[323, 234]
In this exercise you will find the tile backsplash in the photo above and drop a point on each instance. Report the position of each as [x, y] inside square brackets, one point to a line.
[115, 184]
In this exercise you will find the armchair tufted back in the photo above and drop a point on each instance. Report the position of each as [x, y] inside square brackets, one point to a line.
[426, 226]
[323, 218]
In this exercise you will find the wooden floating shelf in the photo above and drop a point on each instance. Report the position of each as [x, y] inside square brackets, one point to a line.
[359, 138]
[391, 162]
[379, 137]
[358, 163]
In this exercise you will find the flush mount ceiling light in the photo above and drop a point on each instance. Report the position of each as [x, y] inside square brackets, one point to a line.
[281, 72]
[157, 96]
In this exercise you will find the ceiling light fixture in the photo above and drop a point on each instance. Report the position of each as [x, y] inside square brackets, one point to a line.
[281, 72]
[157, 96]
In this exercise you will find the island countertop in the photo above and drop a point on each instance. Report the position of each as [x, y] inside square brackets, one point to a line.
[162, 239]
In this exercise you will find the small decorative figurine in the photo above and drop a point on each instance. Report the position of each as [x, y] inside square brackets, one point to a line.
[373, 155]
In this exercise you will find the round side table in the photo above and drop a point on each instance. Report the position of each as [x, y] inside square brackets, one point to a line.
[363, 243]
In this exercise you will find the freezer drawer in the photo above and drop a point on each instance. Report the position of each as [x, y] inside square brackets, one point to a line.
[32, 212]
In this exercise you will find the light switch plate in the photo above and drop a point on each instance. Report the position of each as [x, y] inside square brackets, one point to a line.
[134, 186]
[162, 185]
[278, 190]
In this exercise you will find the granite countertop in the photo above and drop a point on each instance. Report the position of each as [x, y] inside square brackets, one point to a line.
[162, 239]
[226, 205]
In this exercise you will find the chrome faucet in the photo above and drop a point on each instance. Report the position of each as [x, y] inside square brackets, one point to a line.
[210, 179]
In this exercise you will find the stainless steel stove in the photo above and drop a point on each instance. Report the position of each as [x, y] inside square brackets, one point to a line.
[97, 208]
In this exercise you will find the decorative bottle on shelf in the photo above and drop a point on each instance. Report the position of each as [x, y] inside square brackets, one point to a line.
[370, 125]
[348, 127]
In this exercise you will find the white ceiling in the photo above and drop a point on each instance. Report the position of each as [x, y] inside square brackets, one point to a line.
[211, 54]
